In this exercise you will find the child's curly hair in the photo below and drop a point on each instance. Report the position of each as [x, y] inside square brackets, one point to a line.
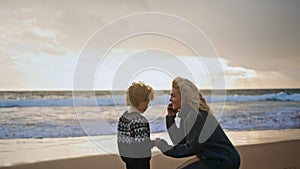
[139, 92]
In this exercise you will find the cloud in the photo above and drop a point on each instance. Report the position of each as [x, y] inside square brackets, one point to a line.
[49, 72]
[11, 78]
[268, 79]
[238, 72]
[257, 40]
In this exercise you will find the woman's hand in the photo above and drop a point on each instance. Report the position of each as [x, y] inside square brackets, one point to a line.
[171, 111]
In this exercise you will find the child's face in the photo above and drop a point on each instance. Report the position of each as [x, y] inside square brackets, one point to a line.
[142, 107]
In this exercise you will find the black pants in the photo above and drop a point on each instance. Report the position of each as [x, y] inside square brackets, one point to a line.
[137, 163]
[196, 165]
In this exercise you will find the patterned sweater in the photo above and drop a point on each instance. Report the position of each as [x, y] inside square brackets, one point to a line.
[134, 136]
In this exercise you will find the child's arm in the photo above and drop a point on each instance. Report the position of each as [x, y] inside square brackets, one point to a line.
[140, 133]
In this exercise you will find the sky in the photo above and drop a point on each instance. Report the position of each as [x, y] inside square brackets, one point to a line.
[42, 43]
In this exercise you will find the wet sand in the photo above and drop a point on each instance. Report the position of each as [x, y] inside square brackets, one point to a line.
[270, 149]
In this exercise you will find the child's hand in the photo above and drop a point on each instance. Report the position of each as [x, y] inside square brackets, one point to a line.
[156, 141]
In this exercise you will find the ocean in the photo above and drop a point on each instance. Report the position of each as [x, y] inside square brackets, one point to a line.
[52, 114]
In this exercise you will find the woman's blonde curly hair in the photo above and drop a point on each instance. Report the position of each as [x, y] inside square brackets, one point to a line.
[190, 94]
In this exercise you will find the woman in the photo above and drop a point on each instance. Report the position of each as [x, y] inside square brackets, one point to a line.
[198, 133]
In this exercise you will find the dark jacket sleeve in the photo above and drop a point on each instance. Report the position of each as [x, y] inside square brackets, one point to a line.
[176, 134]
[192, 125]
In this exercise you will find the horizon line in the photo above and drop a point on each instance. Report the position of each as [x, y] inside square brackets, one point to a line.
[108, 90]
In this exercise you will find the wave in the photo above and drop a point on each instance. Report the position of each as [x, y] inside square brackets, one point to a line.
[28, 128]
[160, 100]
[281, 96]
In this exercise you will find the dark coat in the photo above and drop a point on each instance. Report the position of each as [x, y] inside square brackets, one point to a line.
[208, 142]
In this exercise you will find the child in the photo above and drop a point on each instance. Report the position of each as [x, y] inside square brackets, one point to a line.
[134, 142]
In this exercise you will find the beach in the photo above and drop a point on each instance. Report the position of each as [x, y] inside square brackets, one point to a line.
[266, 149]
[45, 130]
[69, 68]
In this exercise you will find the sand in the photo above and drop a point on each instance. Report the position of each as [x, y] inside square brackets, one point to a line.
[258, 149]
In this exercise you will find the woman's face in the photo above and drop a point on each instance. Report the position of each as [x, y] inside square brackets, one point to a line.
[175, 99]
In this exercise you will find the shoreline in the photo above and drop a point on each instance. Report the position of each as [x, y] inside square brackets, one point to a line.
[56, 152]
